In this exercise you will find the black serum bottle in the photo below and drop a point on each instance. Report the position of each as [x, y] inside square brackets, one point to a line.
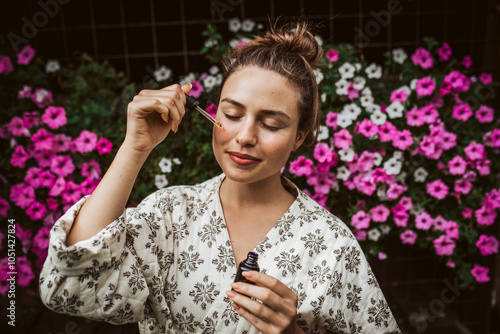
[249, 264]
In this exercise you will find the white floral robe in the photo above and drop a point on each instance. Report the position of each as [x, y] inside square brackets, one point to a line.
[168, 263]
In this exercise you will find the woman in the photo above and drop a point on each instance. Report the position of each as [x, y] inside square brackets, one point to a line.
[169, 264]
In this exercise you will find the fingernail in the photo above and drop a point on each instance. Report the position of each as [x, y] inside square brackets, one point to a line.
[190, 85]
[236, 306]
[247, 274]
[231, 294]
[236, 286]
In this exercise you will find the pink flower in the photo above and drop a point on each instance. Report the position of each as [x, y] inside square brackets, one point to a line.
[365, 184]
[444, 52]
[424, 221]
[483, 166]
[422, 58]
[323, 153]
[487, 244]
[365, 161]
[352, 93]
[331, 120]
[33, 177]
[467, 61]
[58, 187]
[449, 140]
[52, 204]
[104, 146]
[451, 230]
[400, 215]
[429, 114]
[457, 81]
[462, 112]
[395, 190]
[379, 175]
[36, 211]
[361, 220]
[41, 239]
[343, 139]
[425, 87]
[480, 273]
[462, 186]
[402, 139]
[24, 57]
[382, 256]
[301, 166]
[54, 117]
[485, 114]
[406, 202]
[440, 223]
[212, 109]
[485, 215]
[360, 235]
[332, 55]
[44, 158]
[322, 182]
[5, 65]
[43, 140]
[386, 131]
[4, 207]
[367, 128]
[19, 157]
[492, 138]
[92, 169]
[196, 89]
[414, 117]
[457, 165]
[467, 213]
[72, 193]
[62, 165]
[86, 142]
[437, 189]
[24, 236]
[475, 151]
[17, 128]
[485, 78]
[24, 93]
[24, 273]
[22, 195]
[399, 96]
[380, 213]
[444, 245]
[61, 142]
[88, 186]
[408, 237]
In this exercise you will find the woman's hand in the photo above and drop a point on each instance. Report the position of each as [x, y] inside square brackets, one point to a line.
[277, 309]
[152, 114]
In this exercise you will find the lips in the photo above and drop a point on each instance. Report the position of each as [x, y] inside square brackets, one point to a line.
[243, 159]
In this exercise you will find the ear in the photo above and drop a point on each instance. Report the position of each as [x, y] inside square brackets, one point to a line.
[301, 136]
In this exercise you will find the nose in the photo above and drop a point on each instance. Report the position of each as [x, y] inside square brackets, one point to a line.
[247, 133]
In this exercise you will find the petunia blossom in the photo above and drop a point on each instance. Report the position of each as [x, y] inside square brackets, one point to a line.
[424, 221]
[361, 220]
[332, 55]
[457, 165]
[104, 146]
[437, 189]
[425, 87]
[408, 237]
[86, 142]
[487, 244]
[485, 114]
[25, 55]
[301, 166]
[444, 245]
[480, 273]
[380, 213]
[54, 117]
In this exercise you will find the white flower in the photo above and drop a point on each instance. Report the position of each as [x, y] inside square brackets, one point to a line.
[393, 166]
[344, 120]
[165, 165]
[420, 174]
[374, 234]
[260, 26]
[405, 88]
[247, 25]
[41, 95]
[319, 76]
[187, 79]
[347, 70]
[351, 110]
[373, 108]
[378, 117]
[177, 161]
[374, 71]
[323, 97]
[358, 83]
[366, 91]
[162, 73]
[209, 82]
[382, 193]
[218, 79]
[399, 55]
[214, 69]
[234, 24]
[209, 43]
[366, 100]
[161, 181]
[52, 66]
[413, 84]
[385, 228]
[416, 210]
[401, 177]
[378, 159]
[398, 154]
[341, 87]
[234, 43]
[323, 133]
[319, 40]
[343, 173]
[358, 66]
[346, 155]
[395, 110]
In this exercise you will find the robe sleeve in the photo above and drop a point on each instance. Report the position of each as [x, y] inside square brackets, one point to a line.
[113, 276]
[353, 285]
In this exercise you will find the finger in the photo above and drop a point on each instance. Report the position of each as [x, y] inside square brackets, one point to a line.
[172, 101]
[258, 309]
[145, 106]
[269, 282]
[257, 322]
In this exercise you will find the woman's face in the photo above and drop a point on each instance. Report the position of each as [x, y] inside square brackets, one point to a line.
[258, 110]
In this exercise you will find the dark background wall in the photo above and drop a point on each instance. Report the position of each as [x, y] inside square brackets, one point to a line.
[139, 36]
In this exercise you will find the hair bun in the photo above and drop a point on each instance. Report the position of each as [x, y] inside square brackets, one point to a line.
[296, 37]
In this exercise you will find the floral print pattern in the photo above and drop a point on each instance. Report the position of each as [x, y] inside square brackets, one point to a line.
[167, 263]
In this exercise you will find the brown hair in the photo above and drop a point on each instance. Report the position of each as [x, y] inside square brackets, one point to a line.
[293, 52]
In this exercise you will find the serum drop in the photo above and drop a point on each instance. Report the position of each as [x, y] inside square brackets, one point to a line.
[249, 264]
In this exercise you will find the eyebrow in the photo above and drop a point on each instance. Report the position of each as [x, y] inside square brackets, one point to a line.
[265, 111]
